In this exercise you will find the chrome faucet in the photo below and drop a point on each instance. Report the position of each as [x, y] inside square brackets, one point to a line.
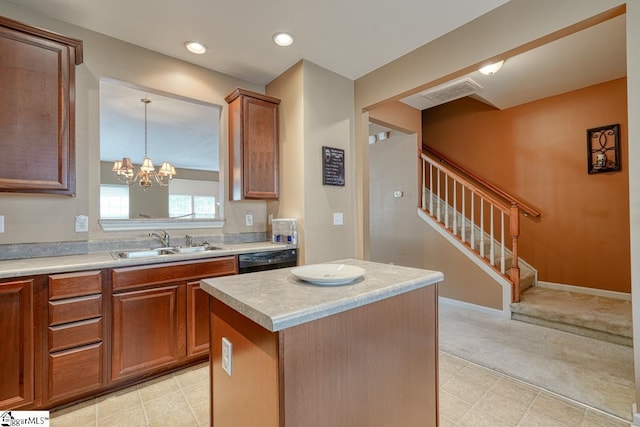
[163, 237]
[188, 240]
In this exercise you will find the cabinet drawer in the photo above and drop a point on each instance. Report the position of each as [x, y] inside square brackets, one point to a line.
[74, 284]
[75, 334]
[75, 371]
[135, 277]
[74, 309]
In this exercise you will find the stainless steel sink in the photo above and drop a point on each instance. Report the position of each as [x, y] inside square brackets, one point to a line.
[150, 253]
[193, 249]
[143, 253]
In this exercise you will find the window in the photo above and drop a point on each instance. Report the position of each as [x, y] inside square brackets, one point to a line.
[192, 198]
[114, 201]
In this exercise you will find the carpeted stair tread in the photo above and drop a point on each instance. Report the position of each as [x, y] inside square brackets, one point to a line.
[581, 313]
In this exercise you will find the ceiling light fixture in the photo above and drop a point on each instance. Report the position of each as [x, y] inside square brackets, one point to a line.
[283, 39]
[491, 68]
[195, 47]
[147, 174]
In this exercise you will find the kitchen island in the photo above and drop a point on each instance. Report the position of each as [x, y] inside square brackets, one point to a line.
[359, 354]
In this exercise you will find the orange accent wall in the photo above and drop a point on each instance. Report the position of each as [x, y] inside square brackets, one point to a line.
[537, 152]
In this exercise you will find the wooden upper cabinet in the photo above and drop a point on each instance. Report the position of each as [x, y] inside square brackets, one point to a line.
[253, 145]
[37, 109]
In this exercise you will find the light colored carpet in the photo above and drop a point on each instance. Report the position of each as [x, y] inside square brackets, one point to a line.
[593, 372]
[589, 315]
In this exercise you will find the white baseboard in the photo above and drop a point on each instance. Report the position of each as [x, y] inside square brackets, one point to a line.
[583, 290]
[491, 311]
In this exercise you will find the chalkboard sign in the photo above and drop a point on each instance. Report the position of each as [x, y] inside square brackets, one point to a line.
[332, 166]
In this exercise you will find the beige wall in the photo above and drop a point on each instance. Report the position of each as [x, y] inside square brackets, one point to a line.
[328, 121]
[322, 101]
[288, 88]
[29, 218]
[396, 232]
[399, 236]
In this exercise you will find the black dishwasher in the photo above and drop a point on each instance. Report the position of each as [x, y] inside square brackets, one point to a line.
[268, 260]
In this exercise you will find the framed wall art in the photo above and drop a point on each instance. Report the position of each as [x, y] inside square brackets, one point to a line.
[332, 166]
[603, 149]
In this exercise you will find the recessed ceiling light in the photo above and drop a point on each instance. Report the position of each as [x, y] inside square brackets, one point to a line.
[195, 47]
[283, 39]
[491, 68]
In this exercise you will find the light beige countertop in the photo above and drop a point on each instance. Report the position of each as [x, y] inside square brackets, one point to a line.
[97, 260]
[277, 300]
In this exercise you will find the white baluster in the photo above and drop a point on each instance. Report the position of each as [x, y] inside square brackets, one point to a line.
[438, 199]
[463, 216]
[473, 227]
[430, 189]
[492, 250]
[455, 209]
[502, 242]
[482, 228]
[446, 200]
[424, 185]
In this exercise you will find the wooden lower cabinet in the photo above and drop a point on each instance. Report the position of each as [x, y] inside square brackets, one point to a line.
[147, 330]
[75, 371]
[70, 336]
[160, 316]
[17, 355]
[374, 365]
[75, 333]
[197, 320]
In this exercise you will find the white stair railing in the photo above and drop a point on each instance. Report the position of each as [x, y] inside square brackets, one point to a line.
[454, 207]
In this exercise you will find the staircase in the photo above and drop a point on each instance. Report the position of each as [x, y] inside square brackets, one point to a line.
[482, 221]
[478, 217]
[587, 314]
[478, 243]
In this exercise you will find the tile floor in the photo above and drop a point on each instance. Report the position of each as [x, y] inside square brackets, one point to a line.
[470, 395]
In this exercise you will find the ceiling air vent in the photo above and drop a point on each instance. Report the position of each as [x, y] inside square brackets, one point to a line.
[450, 91]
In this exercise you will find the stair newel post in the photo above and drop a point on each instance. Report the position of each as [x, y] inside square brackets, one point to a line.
[514, 272]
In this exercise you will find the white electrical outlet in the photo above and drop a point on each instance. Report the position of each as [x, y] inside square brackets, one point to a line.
[398, 194]
[249, 219]
[1, 223]
[338, 218]
[82, 223]
[227, 355]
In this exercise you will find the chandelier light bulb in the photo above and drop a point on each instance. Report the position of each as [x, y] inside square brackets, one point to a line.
[146, 175]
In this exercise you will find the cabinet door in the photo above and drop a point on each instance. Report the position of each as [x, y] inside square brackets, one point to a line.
[253, 145]
[75, 371]
[260, 149]
[37, 109]
[197, 320]
[16, 357]
[147, 332]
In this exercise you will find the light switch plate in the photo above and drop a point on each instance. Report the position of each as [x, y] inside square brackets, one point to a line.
[82, 223]
[227, 355]
[1, 223]
[338, 218]
[249, 220]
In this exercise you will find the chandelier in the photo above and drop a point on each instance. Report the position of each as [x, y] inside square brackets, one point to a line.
[146, 175]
